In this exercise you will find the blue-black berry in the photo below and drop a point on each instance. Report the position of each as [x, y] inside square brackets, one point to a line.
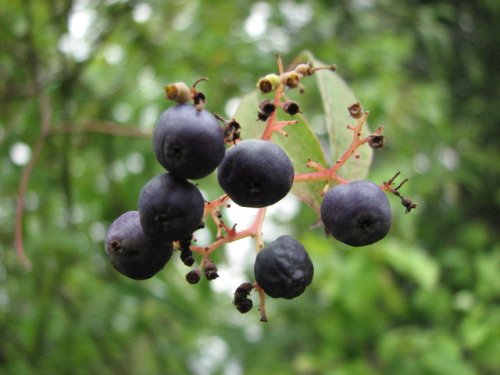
[256, 173]
[131, 252]
[170, 208]
[189, 143]
[357, 213]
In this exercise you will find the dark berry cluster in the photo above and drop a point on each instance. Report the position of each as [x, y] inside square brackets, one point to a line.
[190, 143]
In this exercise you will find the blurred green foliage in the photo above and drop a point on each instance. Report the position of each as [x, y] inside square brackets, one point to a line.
[425, 300]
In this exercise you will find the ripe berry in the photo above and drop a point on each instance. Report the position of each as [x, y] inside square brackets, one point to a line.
[256, 173]
[170, 208]
[283, 268]
[188, 142]
[357, 213]
[132, 253]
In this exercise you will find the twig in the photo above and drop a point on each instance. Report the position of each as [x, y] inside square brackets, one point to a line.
[104, 127]
[46, 115]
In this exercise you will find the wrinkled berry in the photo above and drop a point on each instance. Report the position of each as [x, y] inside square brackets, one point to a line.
[283, 268]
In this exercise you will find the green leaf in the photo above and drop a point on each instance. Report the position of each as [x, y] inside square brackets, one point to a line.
[410, 261]
[336, 97]
[300, 145]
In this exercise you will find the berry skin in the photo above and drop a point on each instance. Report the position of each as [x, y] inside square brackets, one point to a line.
[132, 253]
[357, 213]
[170, 208]
[283, 268]
[256, 173]
[187, 142]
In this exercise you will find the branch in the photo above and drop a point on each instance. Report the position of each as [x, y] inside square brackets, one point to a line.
[46, 115]
[330, 174]
[103, 127]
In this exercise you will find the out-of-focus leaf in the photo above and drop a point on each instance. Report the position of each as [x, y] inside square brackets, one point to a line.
[337, 96]
[300, 145]
[411, 262]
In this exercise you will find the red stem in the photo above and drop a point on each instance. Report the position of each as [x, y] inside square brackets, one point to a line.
[231, 234]
[330, 174]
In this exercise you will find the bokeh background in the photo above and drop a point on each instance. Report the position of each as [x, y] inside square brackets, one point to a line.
[81, 88]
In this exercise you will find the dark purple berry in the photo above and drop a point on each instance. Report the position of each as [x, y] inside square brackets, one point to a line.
[256, 173]
[132, 253]
[357, 213]
[188, 142]
[170, 208]
[283, 268]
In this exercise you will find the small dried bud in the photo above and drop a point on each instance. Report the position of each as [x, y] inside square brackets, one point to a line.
[265, 86]
[269, 83]
[376, 141]
[241, 301]
[193, 277]
[187, 257]
[291, 107]
[267, 106]
[309, 70]
[178, 92]
[244, 288]
[304, 69]
[244, 306]
[185, 243]
[239, 296]
[212, 275]
[210, 270]
[199, 99]
[232, 131]
[291, 79]
[408, 204]
[355, 110]
[262, 116]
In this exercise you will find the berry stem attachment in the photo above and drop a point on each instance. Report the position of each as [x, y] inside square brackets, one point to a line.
[226, 234]
[262, 302]
[272, 124]
[356, 142]
[201, 79]
[259, 221]
[330, 174]
[405, 201]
